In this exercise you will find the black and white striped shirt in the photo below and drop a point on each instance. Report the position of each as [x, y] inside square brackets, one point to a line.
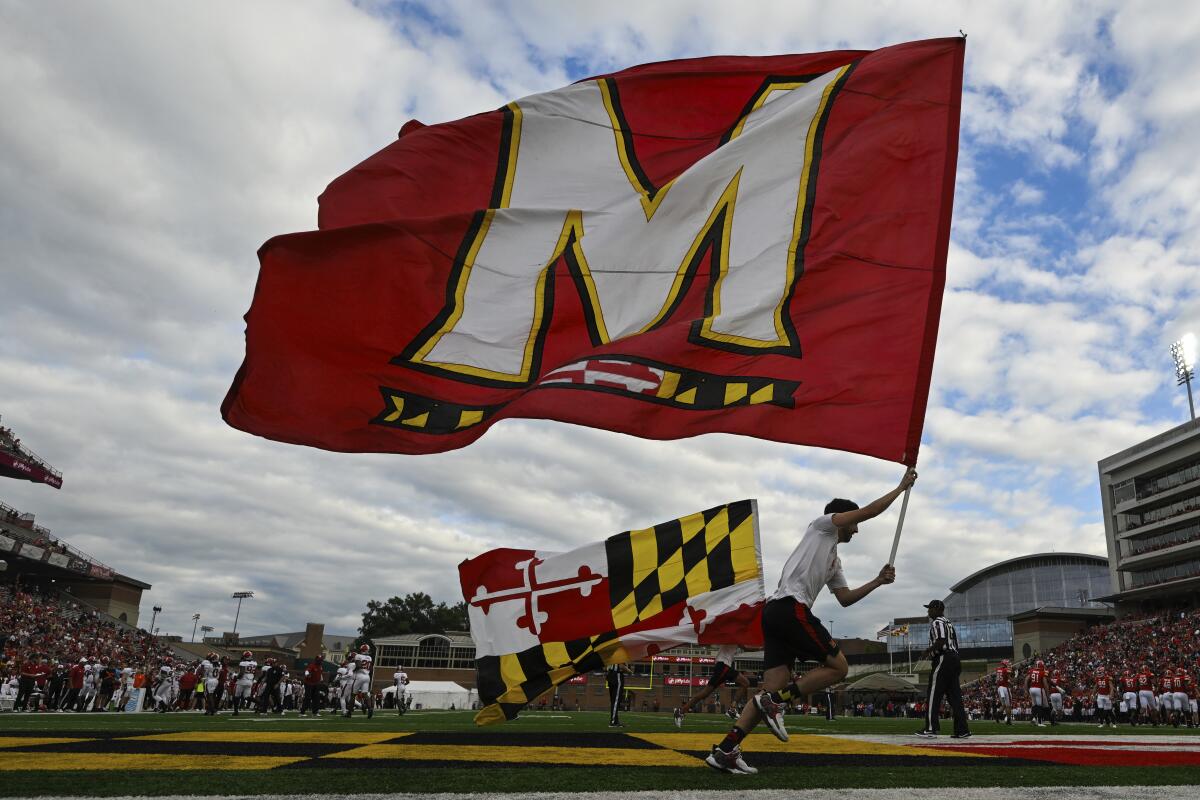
[942, 628]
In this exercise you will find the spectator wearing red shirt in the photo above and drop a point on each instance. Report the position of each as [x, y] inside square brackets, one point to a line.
[187, 684]
[314, 677]
[31, 670]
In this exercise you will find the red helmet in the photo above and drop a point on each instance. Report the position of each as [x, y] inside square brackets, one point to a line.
[1040, 664]
[1127, 671]
[247, 655]
[1004, 662]
[364, 648]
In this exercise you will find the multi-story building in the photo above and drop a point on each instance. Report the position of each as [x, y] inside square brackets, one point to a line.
[1151, 498]
[982, 604]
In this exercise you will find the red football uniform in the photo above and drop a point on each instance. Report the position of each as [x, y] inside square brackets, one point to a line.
[1189, 685]
[1145, 680]
[1128, 683]
[1002, 676]
[1037, 677]
[1167, 684]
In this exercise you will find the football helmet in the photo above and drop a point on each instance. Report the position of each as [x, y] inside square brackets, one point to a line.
[247, 655]
[364, 648]
[1040, 664]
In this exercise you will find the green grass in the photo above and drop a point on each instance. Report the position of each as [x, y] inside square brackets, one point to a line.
[519, 778]
[531, 721]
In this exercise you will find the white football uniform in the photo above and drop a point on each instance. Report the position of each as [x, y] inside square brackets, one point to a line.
[245, 681]
[362, 672]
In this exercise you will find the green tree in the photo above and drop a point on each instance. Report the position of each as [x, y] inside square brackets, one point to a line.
[413, 613]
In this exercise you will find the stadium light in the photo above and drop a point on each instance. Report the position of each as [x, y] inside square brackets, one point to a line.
[1184, 354]
[239, 596]
[205, 629]
[195, 622]
[154, 617]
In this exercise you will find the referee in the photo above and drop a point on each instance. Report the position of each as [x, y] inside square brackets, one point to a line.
[615, 678]
[943, 680]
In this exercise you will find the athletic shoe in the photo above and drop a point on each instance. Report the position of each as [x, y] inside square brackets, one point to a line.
[616, 725]
[966, 735]
[732, 713]
[772, 714]
[731, 762]
[678, 718]
[924, 734]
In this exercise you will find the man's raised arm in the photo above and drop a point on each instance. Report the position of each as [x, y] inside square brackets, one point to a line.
[844, 519]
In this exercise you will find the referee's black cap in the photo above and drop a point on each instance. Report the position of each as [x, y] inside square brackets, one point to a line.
[937, 606]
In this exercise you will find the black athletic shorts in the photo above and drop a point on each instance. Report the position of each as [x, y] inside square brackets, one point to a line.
[722, 672]
[790, 632]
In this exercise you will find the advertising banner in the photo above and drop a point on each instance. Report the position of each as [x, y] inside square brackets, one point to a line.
[135, 700]
[7, 545]
[59, 560]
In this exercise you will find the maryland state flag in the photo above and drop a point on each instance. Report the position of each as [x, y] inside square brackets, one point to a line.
[747, 245]
[539, 619]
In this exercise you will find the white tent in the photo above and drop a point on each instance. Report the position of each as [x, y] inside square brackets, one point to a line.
[437, 694]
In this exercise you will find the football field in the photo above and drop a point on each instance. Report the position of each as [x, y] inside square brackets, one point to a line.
[557, 752]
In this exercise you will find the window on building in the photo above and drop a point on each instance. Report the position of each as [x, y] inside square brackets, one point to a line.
[434, 652]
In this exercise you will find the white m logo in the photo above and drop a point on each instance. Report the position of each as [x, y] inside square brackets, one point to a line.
[569, 185]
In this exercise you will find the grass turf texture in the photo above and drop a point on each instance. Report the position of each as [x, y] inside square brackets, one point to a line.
[534, 730]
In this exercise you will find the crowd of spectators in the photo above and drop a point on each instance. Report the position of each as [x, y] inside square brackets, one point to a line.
[41, 634]
[1156, 643]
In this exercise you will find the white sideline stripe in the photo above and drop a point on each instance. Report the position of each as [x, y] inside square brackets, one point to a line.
[903, 793]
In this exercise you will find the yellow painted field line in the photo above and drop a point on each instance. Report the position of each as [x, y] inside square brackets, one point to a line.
[271, 737]
[136, 761]
[801, 744]
[524, 755]
[29, 741]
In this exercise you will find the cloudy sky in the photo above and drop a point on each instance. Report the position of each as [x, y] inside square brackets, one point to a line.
[146, 151]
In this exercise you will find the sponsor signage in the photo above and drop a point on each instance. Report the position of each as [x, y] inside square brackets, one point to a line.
[77, 564]
[59, 560]
[14, 467]
[672, 680]
[97, 571]
[685, 659]
[7, 544]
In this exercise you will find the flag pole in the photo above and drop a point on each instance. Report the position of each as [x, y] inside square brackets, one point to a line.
[899, 526]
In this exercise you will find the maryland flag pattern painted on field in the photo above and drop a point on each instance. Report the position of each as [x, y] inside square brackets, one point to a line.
[745, 245]
[538, 619]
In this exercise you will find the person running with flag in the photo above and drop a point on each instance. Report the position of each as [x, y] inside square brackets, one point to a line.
[791, 631]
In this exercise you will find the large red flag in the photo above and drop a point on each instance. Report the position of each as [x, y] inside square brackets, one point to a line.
[747, 245]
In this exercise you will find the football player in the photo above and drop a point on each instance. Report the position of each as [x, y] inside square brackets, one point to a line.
[400, 678]
[1056, 697]
[1146, 700]
[1004, 693]
[247, 668]
[722, 673]
[361, 685]
[1104, 692]
[1036, 687]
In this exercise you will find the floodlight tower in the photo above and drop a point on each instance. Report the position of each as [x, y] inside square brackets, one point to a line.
[195, 622]
[154, 617]
[1184, 353]
[239, 596]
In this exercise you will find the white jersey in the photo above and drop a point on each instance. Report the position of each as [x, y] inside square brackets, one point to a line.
[726, 653]
[127, 677]
[248, 668]
[400, 677]
[342, 676]
[205, 670]
[362, 662]
[813, 564]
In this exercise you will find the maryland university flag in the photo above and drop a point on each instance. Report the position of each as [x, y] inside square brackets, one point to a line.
[539, 619]
[746, 245]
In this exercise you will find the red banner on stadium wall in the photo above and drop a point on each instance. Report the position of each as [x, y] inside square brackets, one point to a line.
[747, 245]
[12, 466]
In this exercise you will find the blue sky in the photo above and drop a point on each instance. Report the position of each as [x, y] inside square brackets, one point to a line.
[154, 149]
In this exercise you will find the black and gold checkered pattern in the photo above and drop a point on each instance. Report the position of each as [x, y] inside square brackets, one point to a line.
[652, 569]
[507, 683]
[428, 415]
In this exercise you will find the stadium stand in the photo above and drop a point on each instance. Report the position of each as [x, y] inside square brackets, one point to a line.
[18, 461]
[1156, 642]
